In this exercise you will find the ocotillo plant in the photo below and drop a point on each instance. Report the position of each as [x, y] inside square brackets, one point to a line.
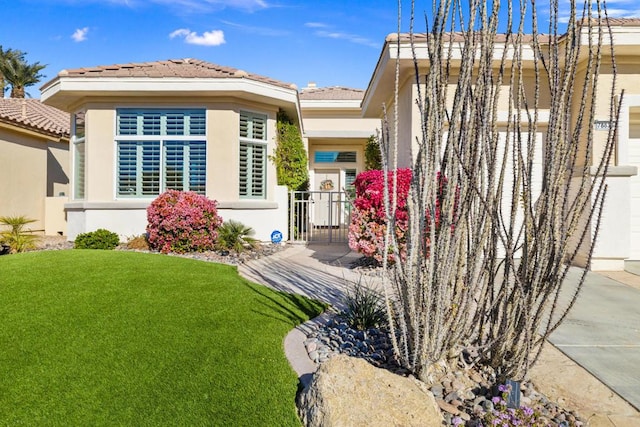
[507, 116]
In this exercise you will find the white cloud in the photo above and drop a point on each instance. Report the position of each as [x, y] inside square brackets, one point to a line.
[263, 31]
[208, 38]
[615, 9]
[80, 34]
[352, 38]
[324, 30]
[192, 6]
[250, 5]
[316, 25]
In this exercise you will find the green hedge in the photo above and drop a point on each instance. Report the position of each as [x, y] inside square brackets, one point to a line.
[99, 239]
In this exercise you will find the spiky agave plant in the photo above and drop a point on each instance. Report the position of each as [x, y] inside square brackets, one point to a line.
[364, 307]
[17, 237]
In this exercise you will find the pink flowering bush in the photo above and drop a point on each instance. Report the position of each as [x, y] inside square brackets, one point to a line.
[182, 221]
[368, 220]
[368, 223]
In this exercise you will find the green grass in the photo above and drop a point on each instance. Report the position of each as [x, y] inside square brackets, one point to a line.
[121, 338]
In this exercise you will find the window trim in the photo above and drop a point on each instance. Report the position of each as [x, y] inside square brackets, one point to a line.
[337, 152]
[250, 143]
[76, 142]
[161, 139]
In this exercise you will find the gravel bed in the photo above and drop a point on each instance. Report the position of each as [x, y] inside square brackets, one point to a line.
[50, 243]
[464, 393]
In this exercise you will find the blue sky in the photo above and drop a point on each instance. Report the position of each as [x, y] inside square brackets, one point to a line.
[330, 42]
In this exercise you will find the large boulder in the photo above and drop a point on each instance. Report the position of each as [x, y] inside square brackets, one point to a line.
[347, 391]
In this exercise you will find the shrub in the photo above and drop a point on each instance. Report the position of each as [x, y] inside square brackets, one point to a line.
[290, 155]
[368, 219]
[182, 221]
[235, 235]
[17, 238]
[139, 243]
[99, 239]
[372, 155]
[364, 307]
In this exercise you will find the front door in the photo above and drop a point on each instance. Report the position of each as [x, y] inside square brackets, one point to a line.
[325, 211]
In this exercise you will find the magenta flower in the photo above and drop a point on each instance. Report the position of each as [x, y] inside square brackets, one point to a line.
[182, 222]
[368, 219]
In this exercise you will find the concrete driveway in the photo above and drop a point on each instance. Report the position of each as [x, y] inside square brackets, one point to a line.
[602, 332]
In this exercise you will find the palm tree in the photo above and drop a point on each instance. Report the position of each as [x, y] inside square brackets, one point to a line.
[17, 72]
[5, 54]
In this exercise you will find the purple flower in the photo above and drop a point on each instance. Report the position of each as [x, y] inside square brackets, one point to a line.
[527, 411]
[457, 421]
[503, 388]
[496, 400]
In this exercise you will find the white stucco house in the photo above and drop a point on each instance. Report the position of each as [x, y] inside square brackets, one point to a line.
[139, 129]
[34, 163]
[619, 235]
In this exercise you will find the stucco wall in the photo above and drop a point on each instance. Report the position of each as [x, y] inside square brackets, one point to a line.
[23, 182]
[102, 208]
[338, 121]
[57, 169]
[222, 146]
[129, 218]
[408, 122]
[351, 144]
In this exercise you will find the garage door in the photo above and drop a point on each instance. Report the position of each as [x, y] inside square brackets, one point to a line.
[536, 179]
[634, 160]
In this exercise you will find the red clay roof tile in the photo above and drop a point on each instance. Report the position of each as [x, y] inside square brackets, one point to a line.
[34, 115]
[181, 68]
[333, 93]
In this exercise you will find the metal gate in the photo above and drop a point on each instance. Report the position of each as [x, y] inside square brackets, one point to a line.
[319, 216]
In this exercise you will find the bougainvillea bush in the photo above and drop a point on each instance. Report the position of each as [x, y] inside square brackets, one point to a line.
[182, 221]
[368, 219]
[368, 223]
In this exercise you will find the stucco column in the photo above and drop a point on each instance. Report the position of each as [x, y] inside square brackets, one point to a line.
[613, 243]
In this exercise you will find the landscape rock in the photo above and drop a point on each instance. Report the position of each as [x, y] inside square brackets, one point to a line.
[348, 391]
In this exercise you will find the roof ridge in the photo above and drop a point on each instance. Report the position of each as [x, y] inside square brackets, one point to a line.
[174, 67]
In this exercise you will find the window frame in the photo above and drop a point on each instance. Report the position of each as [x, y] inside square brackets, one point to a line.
[251, 144]
[159, 141]
[319, 159]
[79, 157]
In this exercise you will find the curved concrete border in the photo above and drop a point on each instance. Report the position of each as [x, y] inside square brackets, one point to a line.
[296, 351]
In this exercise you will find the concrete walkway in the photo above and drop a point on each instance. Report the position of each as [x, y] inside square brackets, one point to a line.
[317, 271]
[601, 334]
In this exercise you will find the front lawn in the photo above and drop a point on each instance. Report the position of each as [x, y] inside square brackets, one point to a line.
[122, 338]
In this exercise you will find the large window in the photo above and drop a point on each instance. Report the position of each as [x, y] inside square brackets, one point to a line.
[78, 156]
[160, 149]
[253, 155]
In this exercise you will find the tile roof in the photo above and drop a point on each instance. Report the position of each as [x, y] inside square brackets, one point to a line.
[34, 115]
[617, 22]
[182, 68]
[527, 38]
[333, 93]
[460, 37]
